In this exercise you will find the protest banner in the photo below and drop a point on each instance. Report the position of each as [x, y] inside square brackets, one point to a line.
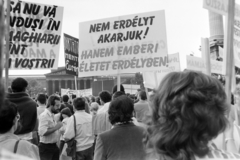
[78, 93]
[34, 36]
[217, 6]
[130, 88]
[71, 54]
[84, 92]
[173, 65]
[125, 44]
[198, 64]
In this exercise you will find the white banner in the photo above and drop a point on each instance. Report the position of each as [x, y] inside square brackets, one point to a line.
[217, 6]
[125, 44]
[78, 93]
[132, 89]
[173, 65]
[35, 33]
[197, 64]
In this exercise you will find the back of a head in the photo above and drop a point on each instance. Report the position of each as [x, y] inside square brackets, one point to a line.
[66, 111]
[7, 116]
[19, 85]
[65, 98]
[94, 106]
[79, 103]
[142, 95]
[121, 110]
[188, 111]
[92, 99]
[114, 89]
[117, 94]
[41, 98]
[105, 96]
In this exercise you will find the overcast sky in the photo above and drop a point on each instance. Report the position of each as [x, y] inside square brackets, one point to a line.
[186, 21]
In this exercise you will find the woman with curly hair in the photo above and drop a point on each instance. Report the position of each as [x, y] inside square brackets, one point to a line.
[189, 110]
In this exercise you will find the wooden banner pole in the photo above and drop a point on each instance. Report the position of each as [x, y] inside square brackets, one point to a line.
[156, 80]
[7, 44]
[206, 55]
[118, 81]
[2, 31]
[228, 45]
[75, 82]
[146, 90]
[229, 49]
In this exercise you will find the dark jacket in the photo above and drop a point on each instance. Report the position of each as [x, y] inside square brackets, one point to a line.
[27, 109]
[123, 142]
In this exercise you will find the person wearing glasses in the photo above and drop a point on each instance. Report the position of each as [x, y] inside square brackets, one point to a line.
[9, 118]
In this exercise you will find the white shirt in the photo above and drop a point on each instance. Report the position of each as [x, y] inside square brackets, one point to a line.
[63, 128]
[104, 108]
[84, 136]
[27, 136]
[40, 110]
[46, 120]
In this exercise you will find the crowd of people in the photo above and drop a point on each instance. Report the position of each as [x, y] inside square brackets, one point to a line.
[180, 120]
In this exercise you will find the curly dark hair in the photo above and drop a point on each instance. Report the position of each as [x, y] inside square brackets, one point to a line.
[188, 111]
[105, 96]
[51, 100]
[121, 110]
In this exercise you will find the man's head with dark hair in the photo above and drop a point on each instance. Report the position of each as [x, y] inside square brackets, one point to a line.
[117, 94]
[114, 89]
[105, 96]
[65, 98]
[41, 98]
[79, 103]
[19, 85]
[142, 95]
[8, 116]
[121, 110]
[54, 103]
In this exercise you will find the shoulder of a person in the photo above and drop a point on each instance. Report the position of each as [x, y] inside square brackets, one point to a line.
[26, 144]
[43, 115]
[28, 148]
[101, 115]
[106, 134]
